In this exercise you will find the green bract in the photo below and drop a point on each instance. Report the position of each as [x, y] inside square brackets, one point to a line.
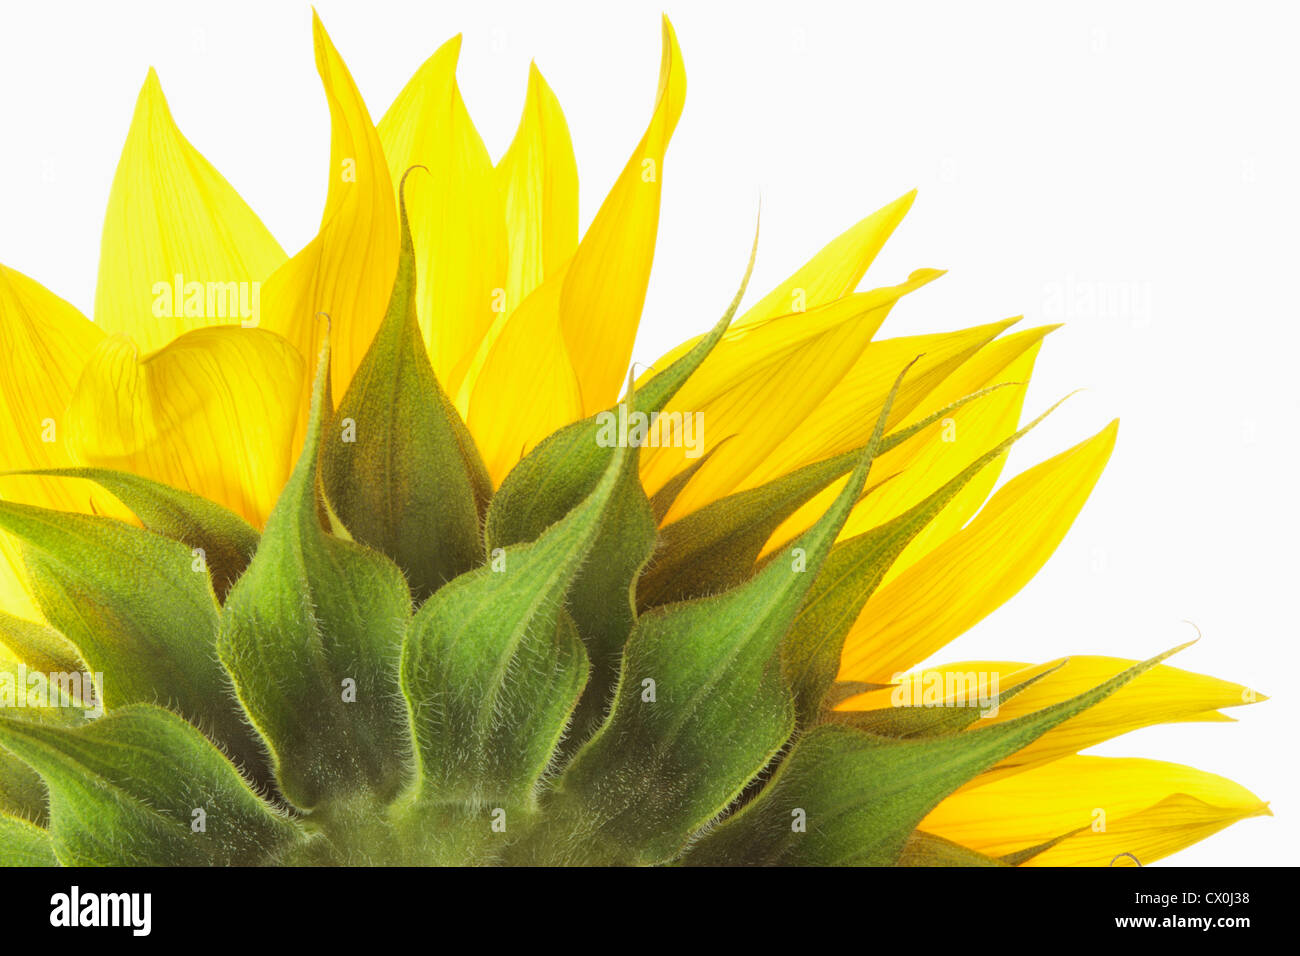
[407, 669]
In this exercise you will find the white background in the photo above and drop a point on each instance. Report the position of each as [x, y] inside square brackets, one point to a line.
[1127, 167]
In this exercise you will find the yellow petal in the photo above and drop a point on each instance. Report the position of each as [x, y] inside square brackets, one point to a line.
[1146, 807]
[831, 274]
[213, 413]
[920, 465]
[836, 270]
[844, 419]
[772, 383]
[173, 220]
[563, 352]
[347, 271]
[45, 342]
[456, 210]
[972, 573]
[605, 289]
[526, 387]
[1160, 695]
[538, 178]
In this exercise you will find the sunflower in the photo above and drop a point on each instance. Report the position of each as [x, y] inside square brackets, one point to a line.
[479, 596]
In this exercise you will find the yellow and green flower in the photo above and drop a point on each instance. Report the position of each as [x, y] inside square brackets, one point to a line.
[374, 554]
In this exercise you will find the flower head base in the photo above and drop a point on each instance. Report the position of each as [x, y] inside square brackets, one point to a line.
[473, 607]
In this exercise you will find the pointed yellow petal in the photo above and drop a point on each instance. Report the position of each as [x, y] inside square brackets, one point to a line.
[836, 270]
[1123, 805]
[843, 420]
[773, 383]
[173, 220]
[526, 388]
[538, 178]
[213, 413]
[831, 274]
[45, 342]
[456, 210]
[1160, 695]
[605, 289]
[347, 271]
[924, 462]
[972, 573]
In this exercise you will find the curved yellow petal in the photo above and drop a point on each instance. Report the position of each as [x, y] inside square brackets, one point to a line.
[845, 417]
[526, 388]
[925, 461]
[174, 226]
[977, 569]
[1120, 805]
[605, 288]
[45, 341]
[772, 383]
[347, 271]
[1160, 695]
[538, 179]
[456, 210]
[213, 413]
[836, 270]
[831, 274]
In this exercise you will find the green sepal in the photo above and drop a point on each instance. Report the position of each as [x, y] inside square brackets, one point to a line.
[716, 547]
[853, 571]
[39, 646]
[556, 476]
[139, 609]
[397, 465]
[23, 843]
[226, 540]
[22, 792]
[926, 849]
[922, 721]
[124, 791]
[701, 708]
[492, 666]
[312, 636]
[845, 797]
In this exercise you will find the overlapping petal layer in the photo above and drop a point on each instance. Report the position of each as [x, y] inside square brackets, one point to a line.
[347, 271]
[1118, 805]
[214, 413]
[174, 225]
[529, 329]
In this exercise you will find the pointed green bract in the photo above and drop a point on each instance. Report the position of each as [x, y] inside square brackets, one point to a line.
[24, 844]
[922, 721]
[556, 476]
[845, 797]
[492, 666]
[396, 463]
[39, 646]
[716, 547]
[138, 608]
[853, 572]
[142, 787]
[926, 849]
[312, 636]
[22, 794]
[693, 674]
[224, 540]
